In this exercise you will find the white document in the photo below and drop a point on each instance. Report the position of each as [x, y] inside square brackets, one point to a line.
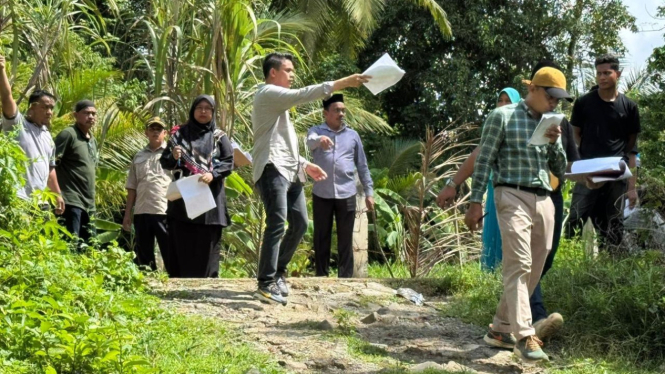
[546, 121]
[196, 195]
[627, 211]
[603, 169]
[240, 157]
[385, 74]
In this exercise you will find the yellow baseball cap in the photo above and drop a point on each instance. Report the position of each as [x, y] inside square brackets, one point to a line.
[553, 81]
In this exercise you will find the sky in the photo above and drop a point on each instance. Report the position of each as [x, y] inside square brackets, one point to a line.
[641, 44]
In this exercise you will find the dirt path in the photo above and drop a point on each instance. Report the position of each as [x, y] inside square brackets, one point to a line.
[308, 335]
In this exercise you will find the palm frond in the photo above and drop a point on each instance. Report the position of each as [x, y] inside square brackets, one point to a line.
[397, 155]
[438, 14]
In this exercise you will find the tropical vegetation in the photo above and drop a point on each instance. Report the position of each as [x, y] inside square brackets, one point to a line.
[139, 58]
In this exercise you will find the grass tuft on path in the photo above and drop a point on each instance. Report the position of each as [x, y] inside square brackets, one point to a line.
[614, 308]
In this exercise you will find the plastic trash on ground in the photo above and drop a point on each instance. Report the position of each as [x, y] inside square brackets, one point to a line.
[411, 295]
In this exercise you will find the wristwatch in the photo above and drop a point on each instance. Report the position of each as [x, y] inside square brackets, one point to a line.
[451, 183]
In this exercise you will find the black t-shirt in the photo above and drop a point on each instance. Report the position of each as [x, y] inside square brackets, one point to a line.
[568, 141]
[606, 126]
[569, 146]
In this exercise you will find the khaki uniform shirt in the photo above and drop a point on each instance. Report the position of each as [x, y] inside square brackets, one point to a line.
[150, 181]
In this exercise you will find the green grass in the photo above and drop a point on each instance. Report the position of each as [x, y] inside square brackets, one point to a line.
[614, 309]
[180, 344]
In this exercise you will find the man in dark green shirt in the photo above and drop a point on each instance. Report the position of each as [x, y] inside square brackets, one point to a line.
[76, 161]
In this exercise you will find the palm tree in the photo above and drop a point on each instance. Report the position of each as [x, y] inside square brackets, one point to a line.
[45, 26]
[345, 25]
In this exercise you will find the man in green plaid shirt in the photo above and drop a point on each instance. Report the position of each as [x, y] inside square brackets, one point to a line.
[524, 208]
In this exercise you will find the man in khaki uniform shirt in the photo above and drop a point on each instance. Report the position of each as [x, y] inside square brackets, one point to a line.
[146, 193]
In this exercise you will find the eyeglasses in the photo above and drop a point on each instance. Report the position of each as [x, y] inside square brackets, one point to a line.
[203, 109]
[156, 129]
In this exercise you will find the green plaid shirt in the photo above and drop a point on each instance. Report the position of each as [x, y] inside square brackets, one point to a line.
[504, 149]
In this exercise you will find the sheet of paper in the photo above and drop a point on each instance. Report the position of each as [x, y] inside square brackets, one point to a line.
[546, 121]
[613, 176]
[595, 165]
[196, 195]
[385, 74]
[240, 157]
[627, 211]
[603, 169]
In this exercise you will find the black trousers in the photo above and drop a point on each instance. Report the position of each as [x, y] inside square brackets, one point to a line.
[605, 208]
[194, 249]
[344, 211]
[77, 222]
[149, 227]
[284, 202]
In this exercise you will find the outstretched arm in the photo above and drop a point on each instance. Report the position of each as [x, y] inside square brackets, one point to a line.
[8, 103]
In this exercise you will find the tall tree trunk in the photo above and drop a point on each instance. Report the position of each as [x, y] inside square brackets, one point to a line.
[575, 34]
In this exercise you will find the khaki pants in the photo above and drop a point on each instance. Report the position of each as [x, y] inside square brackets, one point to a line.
[526, 222]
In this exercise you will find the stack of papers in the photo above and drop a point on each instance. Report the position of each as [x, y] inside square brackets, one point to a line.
[546, 121]
[385, 73]
[604, 169]
[240, 157]
[196, 195]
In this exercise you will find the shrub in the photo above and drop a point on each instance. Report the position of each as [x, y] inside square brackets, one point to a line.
[613, 308]
[64, 312]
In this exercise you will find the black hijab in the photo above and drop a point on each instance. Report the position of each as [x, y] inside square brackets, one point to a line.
[200, 136]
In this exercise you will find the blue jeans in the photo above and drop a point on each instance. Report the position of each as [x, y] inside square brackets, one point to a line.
[538, 310]
[283, 201]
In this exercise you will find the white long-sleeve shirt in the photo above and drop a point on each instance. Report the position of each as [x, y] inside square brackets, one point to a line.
[275, 139]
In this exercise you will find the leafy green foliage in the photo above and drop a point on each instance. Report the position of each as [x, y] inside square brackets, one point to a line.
[495, 44]
[62, 312]
[613, 308]
[12, 169]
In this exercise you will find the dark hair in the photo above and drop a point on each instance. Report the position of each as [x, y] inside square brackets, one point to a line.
[608, 59]
[544, 64]
[274, 61]
[36, 95]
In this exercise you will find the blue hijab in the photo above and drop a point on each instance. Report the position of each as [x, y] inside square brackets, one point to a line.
[512, 93]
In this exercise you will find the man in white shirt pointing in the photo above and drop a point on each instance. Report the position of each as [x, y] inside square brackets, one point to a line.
[278, 168]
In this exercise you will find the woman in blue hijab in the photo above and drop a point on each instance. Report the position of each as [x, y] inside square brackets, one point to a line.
[491, 255]
[508, 96]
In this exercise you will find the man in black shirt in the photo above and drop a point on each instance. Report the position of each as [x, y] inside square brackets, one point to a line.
[606, 124]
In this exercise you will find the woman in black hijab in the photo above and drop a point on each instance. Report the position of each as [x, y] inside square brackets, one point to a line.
[198, 147]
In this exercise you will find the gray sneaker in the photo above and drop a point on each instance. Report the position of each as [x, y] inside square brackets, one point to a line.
[283, 287]
[269, 294]
[500, 339]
